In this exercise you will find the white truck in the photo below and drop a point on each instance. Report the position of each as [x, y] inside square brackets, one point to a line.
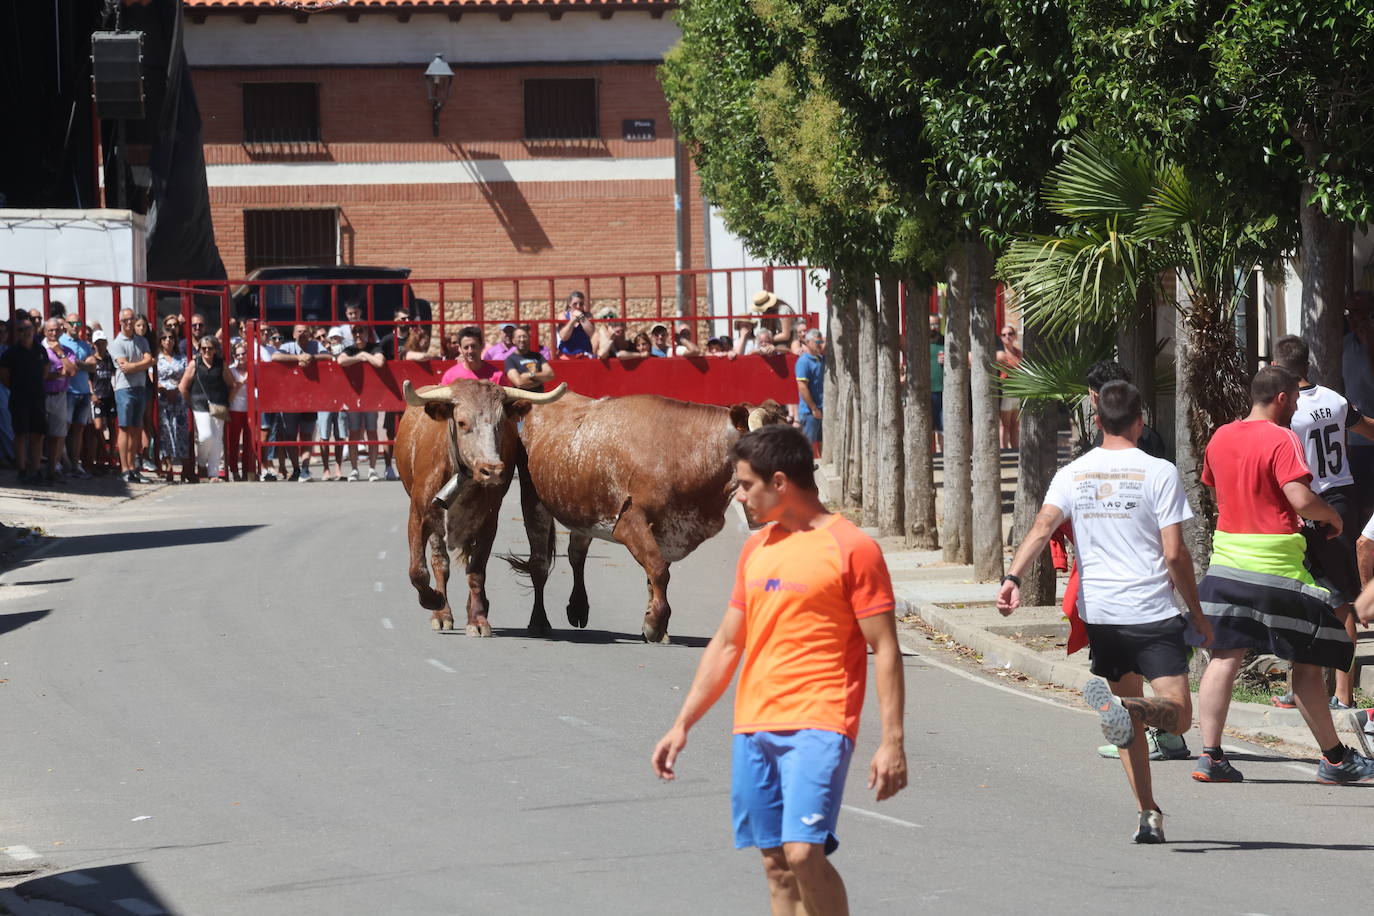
[108, 245]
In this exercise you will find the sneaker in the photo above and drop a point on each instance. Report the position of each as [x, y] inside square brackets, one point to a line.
[1362, 724]
[1284, 702]
[1151, 829]
[391, 473]
[1354, 768]
[295, 475]
[1116, 720]
[305, 476]
[372, 476]
[81, 473]
[1209, 770]
[352, 475]
[1337, 704]
[268, 476]
[1163, 746]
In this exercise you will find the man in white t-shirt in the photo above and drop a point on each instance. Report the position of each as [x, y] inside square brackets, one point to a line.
[1321, 422]
[1127, 510]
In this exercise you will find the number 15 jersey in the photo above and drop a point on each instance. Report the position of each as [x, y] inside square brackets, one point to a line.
[1320, 423]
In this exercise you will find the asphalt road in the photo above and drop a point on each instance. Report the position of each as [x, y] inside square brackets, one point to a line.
[226, 700]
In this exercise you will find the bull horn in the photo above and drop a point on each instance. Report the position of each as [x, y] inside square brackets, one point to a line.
[756, 418]
[424, 395]
[535, 397]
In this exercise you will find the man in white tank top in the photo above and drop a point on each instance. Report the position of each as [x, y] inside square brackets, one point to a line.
[1320, 422]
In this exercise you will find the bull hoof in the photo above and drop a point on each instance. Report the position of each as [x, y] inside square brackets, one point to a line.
[541, 630]
[480, 630]
[654, 637]
[578, 616]
[430, 600]
[441, 623]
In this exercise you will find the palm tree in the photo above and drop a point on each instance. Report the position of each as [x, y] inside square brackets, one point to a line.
[1142, 230]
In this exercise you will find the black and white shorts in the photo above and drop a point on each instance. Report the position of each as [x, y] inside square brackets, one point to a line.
[1155, 649]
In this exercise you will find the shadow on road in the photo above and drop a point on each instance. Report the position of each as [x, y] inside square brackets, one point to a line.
[1253, 845]
[111, 890]
[84, 544]
[593, 637]
[10, 622]
[44, 581]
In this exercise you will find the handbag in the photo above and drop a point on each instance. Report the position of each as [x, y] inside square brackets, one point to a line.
[218, 411]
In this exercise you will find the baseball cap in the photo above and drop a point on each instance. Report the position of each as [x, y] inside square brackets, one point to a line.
[99, 335]
[508, 327]
[658, 327]
[337, 332]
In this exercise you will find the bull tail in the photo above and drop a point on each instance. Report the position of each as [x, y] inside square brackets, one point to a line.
[521, 567]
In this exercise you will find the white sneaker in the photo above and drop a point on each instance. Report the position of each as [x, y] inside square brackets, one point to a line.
[305, 476]
[391, 473]
[372, 476]
[1151, 828]
[353, 474]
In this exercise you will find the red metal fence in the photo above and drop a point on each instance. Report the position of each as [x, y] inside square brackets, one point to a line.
[708, 303]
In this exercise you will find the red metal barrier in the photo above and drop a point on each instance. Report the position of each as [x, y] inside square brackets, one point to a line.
[283, 388]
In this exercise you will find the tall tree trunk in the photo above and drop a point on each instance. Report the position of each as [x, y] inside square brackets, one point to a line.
[919, 427]
[889, 430]
[868, 395]
[1035, 467]
[1135, 347]
[987, 453]
[1323, 289]
[847, 365]
[1197, 531]
[836, 385]
[957, 531]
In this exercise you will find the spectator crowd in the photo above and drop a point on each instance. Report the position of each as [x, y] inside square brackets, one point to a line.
[171, 400]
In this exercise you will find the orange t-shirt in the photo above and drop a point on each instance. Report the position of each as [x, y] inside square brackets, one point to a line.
[805, 658]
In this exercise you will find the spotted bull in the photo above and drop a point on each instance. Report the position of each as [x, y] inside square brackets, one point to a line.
[456, 449]
[649, 472]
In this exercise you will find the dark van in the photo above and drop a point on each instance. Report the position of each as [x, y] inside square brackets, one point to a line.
[270, 293]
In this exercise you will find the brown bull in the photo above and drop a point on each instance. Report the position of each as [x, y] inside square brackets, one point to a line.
[650, 472]
[462, 433]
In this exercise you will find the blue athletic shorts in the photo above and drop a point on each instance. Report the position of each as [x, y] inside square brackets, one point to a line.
[811, 427]
[129, 405]
[788, 786]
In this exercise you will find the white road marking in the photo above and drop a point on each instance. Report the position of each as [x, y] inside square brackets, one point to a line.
[386, 622]
[140, 907]
[880, 817]
[142, 817]
[377, 586]
[926, 657]
[441, 666]
[381, 555]
[20, 853]
[77, 879]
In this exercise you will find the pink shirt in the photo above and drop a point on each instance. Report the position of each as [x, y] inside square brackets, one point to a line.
[460, 370]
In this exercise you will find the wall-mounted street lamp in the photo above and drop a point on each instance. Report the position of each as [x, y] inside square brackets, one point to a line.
[438, 81]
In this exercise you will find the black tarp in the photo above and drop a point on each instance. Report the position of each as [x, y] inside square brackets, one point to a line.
[155, 165]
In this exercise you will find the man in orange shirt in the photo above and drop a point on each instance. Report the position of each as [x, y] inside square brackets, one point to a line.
[812, 593]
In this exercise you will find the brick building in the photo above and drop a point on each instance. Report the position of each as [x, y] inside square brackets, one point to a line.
[552, 154]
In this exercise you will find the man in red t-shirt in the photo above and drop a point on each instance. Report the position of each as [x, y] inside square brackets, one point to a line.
[1257, 593]
[812, 594]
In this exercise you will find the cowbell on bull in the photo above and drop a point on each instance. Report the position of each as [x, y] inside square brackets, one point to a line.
[456, 448]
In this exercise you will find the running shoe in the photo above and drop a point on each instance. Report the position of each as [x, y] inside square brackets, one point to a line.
[352, 475]
[1209, 770]
[1284, 702]
[268, 477]
[1354, 768]
[1151, 829]
[1163, 746]
[1117, 726]
[305, 475]
[372, 475]
[391, 473]
[1362, 724]
[1337, 704]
